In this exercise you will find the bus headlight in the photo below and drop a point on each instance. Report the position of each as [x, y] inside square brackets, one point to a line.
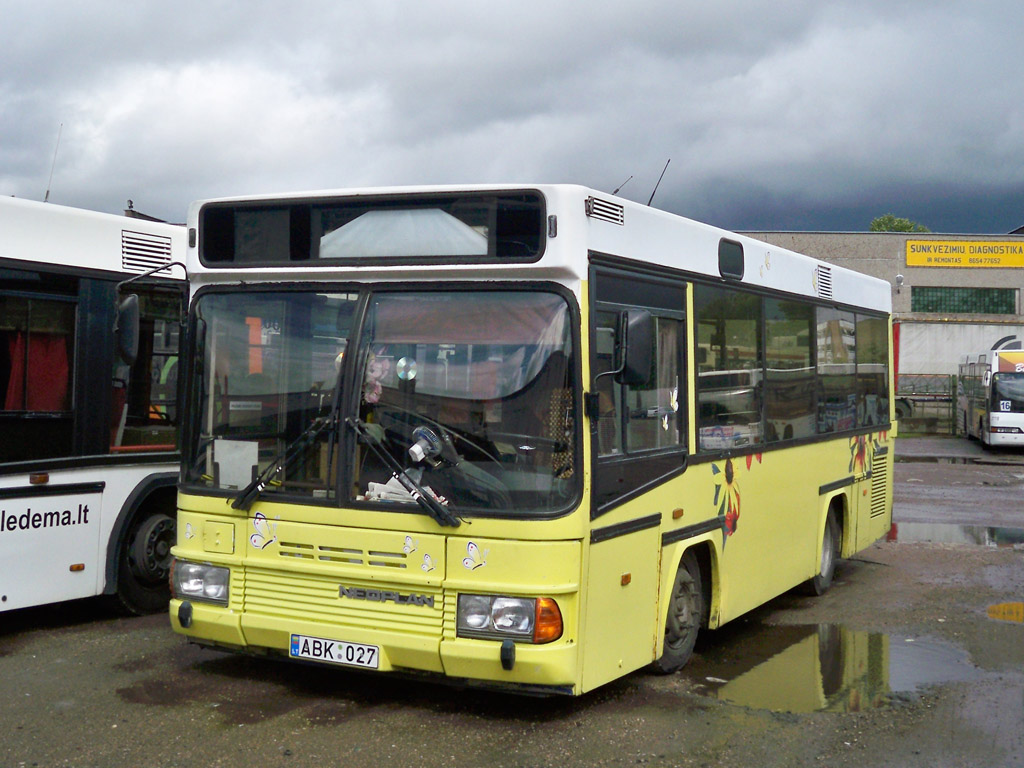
[198, 581]
[494, 617]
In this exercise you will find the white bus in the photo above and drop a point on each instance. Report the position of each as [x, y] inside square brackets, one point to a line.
[990, 398]
[88, 433]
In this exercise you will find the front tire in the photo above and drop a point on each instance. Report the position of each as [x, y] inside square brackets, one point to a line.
[145, 562]
[685, 614]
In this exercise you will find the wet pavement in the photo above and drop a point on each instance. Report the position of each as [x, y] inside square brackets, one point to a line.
[914, 658]
[954, 450]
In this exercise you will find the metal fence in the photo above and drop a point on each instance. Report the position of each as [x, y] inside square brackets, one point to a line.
[926, 403]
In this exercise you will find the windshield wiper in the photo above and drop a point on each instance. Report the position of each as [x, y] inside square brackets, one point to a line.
[438, 511]
[297, 447]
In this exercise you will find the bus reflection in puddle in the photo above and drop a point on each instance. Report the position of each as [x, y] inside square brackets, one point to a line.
[825, 667]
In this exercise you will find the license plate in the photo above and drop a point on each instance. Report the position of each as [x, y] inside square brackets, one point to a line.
[335, 651]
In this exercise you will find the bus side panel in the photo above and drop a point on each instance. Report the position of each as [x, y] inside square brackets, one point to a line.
[874, 500]
[621, 605]
[49, 547]
[768, 510]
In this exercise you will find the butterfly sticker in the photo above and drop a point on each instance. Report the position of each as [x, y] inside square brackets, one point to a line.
[266, 532]
[190, 532]
[474, 559]
[428, 563]
[410, 545]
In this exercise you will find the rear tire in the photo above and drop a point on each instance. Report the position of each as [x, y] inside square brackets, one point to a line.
[830, 541]
[685, 615]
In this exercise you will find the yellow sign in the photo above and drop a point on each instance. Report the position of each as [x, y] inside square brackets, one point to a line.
[965, 253]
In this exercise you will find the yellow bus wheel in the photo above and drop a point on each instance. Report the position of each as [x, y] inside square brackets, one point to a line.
[830, 542]
[682, 624]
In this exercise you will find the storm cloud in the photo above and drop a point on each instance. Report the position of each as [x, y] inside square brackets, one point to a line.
[789, 114]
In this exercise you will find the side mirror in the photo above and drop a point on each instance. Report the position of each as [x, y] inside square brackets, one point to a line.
[635, 345]
[126, 329]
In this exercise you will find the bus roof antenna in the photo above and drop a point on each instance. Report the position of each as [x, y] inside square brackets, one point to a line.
[49, 181]
[616, 190]
[659, 180]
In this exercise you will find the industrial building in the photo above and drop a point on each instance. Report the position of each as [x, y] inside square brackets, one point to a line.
[953, 296]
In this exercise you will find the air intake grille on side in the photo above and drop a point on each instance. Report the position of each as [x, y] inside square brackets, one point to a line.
[824, 280]
[879, 483]
[605, 211]
[141, 251]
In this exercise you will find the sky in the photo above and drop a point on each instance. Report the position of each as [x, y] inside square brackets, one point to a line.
[771, 115]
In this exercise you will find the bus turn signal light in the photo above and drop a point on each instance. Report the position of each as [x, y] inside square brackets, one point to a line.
[548, 625]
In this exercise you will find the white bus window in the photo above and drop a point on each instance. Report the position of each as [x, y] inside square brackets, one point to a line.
[36, 350]
[144, 397]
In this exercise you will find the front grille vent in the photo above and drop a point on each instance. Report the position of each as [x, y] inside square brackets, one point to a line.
[824, 281]
[350, 555]
[606, 211]
[141, 251]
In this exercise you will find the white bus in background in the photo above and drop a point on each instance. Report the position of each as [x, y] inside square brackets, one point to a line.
[88, 432]
[990, 398]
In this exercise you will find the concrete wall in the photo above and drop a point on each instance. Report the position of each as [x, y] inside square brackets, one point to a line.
[883, 254]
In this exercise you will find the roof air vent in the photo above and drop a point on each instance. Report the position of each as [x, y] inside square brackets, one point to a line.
[823, 279]
[605, 211]
[141, 251]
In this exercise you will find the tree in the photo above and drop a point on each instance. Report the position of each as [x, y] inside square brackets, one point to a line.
[890, 223]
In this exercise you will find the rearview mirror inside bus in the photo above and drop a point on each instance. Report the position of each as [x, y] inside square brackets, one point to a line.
[127, 329]
[636, 342]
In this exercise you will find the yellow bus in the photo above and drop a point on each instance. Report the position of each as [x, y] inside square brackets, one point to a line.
[478, 433]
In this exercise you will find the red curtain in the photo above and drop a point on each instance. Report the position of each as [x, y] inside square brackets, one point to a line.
[45, 388]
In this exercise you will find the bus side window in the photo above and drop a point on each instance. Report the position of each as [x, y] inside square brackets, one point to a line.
[650, 410]
[36, 370]
[654, 406]
[36, 351]
[730, 369]
[609, 394]
[144, 412]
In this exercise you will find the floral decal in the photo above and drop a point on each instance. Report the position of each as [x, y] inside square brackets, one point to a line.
[861, 451]
[858, 453]
[727, 493]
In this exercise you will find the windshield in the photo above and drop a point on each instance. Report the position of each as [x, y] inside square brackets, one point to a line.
[1008, 392]
[464, 395]
[267, 366]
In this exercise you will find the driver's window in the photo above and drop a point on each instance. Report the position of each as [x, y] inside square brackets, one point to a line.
[647, 414]
[470, 394]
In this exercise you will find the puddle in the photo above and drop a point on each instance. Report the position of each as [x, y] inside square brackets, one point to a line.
[825, 668]
[1007, 612]
[911, 459]
[947, 533]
